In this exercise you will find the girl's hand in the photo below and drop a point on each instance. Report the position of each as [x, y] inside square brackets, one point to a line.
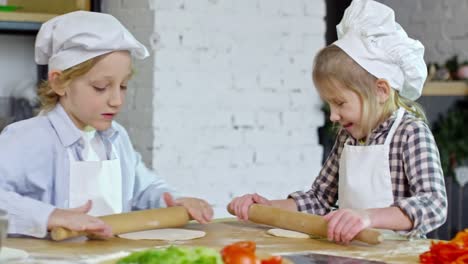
[77, 219]
[198, 209]
[345, 224]
[240, 205]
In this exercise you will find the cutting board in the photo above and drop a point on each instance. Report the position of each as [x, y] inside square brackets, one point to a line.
[313, 258]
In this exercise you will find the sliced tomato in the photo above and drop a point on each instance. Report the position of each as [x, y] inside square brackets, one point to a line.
[453, 251]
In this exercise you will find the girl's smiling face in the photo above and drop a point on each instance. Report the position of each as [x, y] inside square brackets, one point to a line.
[346, 109]
[96, 97]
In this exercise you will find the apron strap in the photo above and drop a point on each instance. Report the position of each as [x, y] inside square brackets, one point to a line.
[396, 123]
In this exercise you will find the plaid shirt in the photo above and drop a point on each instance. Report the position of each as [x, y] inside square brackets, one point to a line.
[417, 177]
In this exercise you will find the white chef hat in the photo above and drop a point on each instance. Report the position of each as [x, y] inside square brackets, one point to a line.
[369, 34]
[72, 38]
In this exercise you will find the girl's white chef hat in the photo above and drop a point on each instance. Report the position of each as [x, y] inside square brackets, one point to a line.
[369, 34]
[75, 37]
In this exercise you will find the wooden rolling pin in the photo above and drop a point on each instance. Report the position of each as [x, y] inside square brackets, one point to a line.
[134, 221]
[302, 222]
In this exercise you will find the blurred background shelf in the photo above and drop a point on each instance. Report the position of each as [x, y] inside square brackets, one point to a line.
[19, 22]
[30, 14]
[25, 17]
[446, 88]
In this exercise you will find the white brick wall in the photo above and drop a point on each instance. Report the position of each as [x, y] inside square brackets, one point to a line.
[227, 94]
[442, 26]
[137, 115]
[234, 107]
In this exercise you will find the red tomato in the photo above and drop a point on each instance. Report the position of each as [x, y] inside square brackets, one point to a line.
[242, 252]
[246, 246]
[240, 257]
[273, 260]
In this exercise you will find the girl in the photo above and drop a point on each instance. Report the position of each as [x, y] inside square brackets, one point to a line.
[74, 162]
[384, 170]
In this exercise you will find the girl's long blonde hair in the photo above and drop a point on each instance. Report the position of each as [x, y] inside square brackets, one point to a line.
[333, 66]
[48, 97]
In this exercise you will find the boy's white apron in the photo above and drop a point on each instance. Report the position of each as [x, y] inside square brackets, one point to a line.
[99, 181]
[364, 174]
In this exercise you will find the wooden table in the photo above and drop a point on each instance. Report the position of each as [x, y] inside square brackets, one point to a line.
[219, 234]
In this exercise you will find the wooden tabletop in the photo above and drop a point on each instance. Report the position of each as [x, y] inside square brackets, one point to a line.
[219, 234]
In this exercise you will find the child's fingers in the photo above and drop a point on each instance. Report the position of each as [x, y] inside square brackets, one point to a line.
[259, 199]
[233, 206]
[197, 215]
[105, 232]
[342, 227]
[328, 216]
[332, 222]
[169, 200]
[83, 222]
[352, 229]
[245, 207]
[208, 213]
[237, 207]
[96, 224]
[83, 208]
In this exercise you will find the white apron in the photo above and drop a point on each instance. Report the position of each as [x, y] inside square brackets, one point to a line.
[99, 181]
[364, 174]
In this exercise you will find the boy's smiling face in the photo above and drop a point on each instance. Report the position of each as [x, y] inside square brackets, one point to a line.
[96, 97]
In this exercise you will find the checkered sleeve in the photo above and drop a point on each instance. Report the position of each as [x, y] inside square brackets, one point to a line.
[427, 205]
[323, 194]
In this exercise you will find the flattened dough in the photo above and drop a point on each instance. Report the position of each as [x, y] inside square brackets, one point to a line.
[169, 234]
[286, 233]
[9, 254]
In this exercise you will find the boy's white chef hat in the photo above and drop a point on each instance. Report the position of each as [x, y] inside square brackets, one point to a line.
[75, 37]
[369, 34]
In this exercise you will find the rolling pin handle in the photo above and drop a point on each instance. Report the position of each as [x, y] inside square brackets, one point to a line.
[60, 233]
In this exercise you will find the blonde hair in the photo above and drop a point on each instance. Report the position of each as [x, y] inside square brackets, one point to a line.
[48, 97]
[333, 66]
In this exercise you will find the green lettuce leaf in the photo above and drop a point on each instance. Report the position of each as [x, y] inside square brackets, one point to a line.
[174, 255]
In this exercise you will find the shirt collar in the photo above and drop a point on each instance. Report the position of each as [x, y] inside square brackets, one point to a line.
[67, 132]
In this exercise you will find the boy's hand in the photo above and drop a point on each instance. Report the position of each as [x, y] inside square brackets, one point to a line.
[240, 205]
[345, 224]
[198, 209]
[77, 219]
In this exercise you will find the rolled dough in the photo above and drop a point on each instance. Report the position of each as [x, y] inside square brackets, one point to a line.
[9, 254]
[286, 233]
[169, 234]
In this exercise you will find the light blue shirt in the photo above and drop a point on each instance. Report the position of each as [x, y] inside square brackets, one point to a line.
[35, 170]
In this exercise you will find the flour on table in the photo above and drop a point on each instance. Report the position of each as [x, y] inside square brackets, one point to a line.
[11, 254]
[286, 233]
[391, 235]
[169, 234]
